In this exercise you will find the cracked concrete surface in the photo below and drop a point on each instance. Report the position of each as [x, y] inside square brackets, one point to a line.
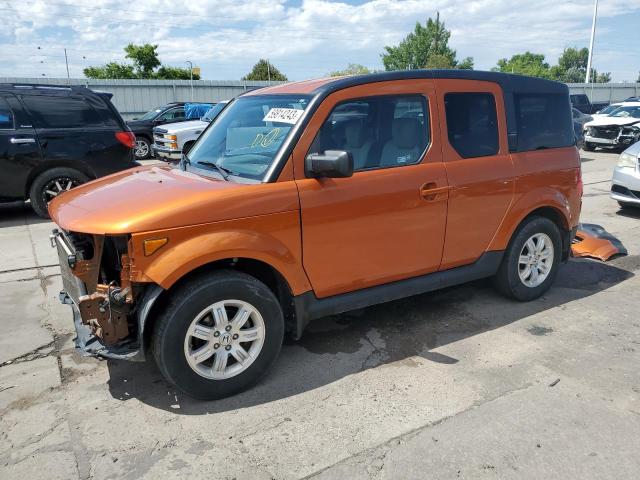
[459, 383]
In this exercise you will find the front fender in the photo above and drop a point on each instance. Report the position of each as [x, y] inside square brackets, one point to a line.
[273, 239]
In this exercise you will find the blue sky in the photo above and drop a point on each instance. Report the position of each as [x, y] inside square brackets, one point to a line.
[304, 39]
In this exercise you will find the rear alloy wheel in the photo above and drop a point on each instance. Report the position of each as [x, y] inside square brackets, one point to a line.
[588, 147]
[218, 334]
[48, 185]
[142, 149]
[530, 263]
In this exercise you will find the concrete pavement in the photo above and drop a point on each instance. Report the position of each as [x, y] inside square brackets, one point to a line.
[459, 383]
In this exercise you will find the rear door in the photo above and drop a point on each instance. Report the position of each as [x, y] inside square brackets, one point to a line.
[387, 221]
[19, 151]
[479, 167]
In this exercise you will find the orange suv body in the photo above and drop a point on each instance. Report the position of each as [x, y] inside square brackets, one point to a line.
[316, 198]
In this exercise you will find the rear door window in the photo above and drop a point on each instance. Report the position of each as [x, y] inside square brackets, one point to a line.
[56, 111]
[6, 115]
[379, 132]
[472, 124]
[543, 121]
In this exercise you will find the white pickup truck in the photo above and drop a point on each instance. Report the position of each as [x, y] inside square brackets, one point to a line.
[170, 140]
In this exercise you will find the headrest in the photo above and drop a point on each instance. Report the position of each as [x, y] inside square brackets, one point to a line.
[354, 133]
[405, 132]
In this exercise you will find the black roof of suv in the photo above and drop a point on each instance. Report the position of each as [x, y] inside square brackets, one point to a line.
[54, 137]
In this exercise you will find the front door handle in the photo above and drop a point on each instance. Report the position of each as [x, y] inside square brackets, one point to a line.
[431, 192]
[17, 141]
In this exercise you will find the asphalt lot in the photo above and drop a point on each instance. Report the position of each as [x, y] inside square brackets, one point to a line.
[460, 383]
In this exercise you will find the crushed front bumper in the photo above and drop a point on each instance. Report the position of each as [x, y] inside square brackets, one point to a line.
[88, 345]
[74, 294]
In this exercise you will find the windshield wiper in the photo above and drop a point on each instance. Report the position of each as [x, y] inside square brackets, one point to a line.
[224, 172]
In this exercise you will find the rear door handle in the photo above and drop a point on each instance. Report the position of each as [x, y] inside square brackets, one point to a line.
[17, 141]
[431, 192]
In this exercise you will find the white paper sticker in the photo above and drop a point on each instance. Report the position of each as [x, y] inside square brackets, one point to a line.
[283, 115]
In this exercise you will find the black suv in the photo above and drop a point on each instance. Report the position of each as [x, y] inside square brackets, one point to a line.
[143, 127]
[53, 138]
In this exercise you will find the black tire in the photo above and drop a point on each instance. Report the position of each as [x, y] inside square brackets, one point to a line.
[38, 192]
[186, 303]
[507, 281]
[142, 150]
[187, 146]
[588, 147]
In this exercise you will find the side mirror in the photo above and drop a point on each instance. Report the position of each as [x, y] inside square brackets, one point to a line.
[330, 164]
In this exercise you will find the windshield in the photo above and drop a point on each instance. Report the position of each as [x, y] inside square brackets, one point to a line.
[213, 112]
[151, 114]
[246, 137]
[626, 112]
[609, 109]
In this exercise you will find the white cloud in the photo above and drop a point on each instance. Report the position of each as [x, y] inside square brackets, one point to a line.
[226, 36]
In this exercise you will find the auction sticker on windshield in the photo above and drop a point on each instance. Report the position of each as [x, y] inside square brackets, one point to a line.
[283, 115]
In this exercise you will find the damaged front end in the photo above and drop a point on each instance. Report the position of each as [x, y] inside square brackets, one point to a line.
[613, 135]
[96, 278]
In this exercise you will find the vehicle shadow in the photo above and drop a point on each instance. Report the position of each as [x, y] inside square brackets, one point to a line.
[629, 212]
[18, 213]
[337, 346]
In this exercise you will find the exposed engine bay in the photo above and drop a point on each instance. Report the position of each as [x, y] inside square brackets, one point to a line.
[96, 273]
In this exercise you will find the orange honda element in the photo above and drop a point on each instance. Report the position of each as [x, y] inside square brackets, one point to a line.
[314, 198]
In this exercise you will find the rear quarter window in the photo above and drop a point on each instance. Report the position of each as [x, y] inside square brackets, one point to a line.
[472, 124]
[543, 121]
[61, 112]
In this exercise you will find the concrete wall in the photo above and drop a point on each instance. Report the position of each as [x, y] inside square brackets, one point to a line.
[135, 97]
[606, 92]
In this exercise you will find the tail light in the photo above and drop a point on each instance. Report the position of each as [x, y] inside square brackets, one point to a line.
[128, 139]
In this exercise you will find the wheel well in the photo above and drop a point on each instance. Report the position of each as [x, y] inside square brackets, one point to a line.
[48, 165]
[560, 220]
[262, 271]
[552, 214]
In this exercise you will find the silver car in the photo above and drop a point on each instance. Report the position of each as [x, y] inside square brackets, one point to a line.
[625, 186]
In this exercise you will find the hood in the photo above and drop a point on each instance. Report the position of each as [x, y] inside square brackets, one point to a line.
[157, 198]
[180, 126]
[606, 120]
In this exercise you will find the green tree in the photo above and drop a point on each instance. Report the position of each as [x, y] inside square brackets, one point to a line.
[174, 73]
[264, 70]
[527, 63]
[145, 60]
[144, 57]
[110, 70]
[572, 67]
[352, 69]
[426, 47]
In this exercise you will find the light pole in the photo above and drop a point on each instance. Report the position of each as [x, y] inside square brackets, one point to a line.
[190, 76]
[66, 61]
[593, 34]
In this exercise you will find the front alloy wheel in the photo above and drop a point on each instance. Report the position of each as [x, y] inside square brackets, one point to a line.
[224, 339]
[218, 333]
